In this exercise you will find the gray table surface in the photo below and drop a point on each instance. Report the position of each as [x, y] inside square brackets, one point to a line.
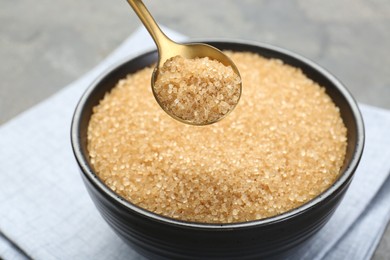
[44, 45]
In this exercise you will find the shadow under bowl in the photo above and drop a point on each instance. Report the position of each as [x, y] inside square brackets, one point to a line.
[156, 236]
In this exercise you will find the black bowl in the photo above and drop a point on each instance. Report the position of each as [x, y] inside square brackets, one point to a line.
[156, 236]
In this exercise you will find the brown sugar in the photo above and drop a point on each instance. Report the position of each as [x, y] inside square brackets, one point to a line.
[198, 91]
[282, 145]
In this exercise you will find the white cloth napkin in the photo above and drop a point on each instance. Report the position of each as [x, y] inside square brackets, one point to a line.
[46, 213]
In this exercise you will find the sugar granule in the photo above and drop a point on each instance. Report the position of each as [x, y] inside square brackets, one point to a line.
[283, 145]
[199, 91]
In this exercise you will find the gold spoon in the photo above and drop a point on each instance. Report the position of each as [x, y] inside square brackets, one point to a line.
[168, 49]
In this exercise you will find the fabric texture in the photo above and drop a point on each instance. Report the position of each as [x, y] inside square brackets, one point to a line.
[46, 212]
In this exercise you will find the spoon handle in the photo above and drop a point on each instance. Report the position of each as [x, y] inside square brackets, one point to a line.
[150, 24]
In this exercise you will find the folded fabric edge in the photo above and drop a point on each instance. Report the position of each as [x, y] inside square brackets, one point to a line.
[11, 250]
[378, 211]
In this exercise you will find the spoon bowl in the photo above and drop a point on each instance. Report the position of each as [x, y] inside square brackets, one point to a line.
[167, 49]
[191, 51]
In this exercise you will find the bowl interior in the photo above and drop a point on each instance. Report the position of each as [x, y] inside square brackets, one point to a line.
[339, 94]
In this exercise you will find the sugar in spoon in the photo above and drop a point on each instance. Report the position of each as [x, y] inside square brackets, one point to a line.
[168, 49]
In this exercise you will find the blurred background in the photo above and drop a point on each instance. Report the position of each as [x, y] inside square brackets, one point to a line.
[45, 45]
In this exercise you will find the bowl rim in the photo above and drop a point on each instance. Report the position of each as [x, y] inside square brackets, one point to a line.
[345, 177]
